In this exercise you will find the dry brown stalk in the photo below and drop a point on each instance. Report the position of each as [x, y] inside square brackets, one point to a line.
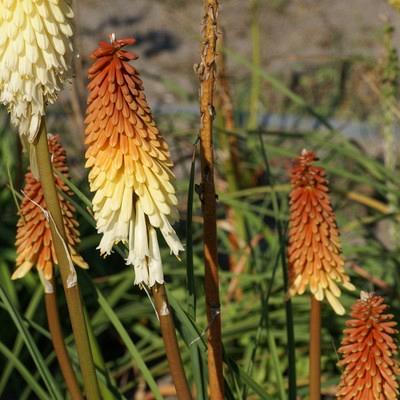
[207, 72]
[381, 284]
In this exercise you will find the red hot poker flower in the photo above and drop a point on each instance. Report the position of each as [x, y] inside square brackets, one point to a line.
[368, 352]
[314, 250]
[130, 164]
[34, 242]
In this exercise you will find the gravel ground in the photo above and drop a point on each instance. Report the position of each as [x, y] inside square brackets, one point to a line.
[292, 32]
[295, 35]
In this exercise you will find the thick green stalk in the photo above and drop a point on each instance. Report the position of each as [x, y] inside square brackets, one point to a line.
[104, 387]
[72, 292]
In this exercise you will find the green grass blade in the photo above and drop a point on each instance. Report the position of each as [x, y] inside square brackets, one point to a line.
[279, 86]
[291, 350]
[275, 362]
[13, 191]
[30, 311]
[27, 375]
[125, 338]
[30, 344]
[199, 372]
[264, 295]
[257, 389]
[193, 337]
[113, 297]
[106, 384]
[8, 284]
[81, 196]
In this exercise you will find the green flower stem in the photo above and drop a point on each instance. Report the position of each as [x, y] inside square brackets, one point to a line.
[59, 345]
[171, 343]
[72, 293]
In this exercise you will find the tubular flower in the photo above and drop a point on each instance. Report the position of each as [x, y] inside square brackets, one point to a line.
[34, 241]
[35, 58]
[130, 164]
[314, 251]
[368, 350]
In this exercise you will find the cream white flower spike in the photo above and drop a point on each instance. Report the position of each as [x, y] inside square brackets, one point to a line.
[35, 58]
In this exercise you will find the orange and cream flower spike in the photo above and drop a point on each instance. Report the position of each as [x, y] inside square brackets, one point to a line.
[314, 250]
[34, 241]
[35, 58]
[369, 352]
[130, 164]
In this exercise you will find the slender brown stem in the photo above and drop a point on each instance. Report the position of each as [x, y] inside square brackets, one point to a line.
[57, 338]
[207, 71]
[315, 350]
[171, 343]
[72, 292]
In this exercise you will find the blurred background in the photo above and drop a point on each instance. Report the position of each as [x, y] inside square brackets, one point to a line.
[328, 53]
[292, 74]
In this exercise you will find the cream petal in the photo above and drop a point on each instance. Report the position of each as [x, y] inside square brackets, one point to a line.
[156, 274]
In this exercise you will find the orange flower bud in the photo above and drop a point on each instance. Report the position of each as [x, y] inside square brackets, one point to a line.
[368, 352]
[314, 251]
[34, 241]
